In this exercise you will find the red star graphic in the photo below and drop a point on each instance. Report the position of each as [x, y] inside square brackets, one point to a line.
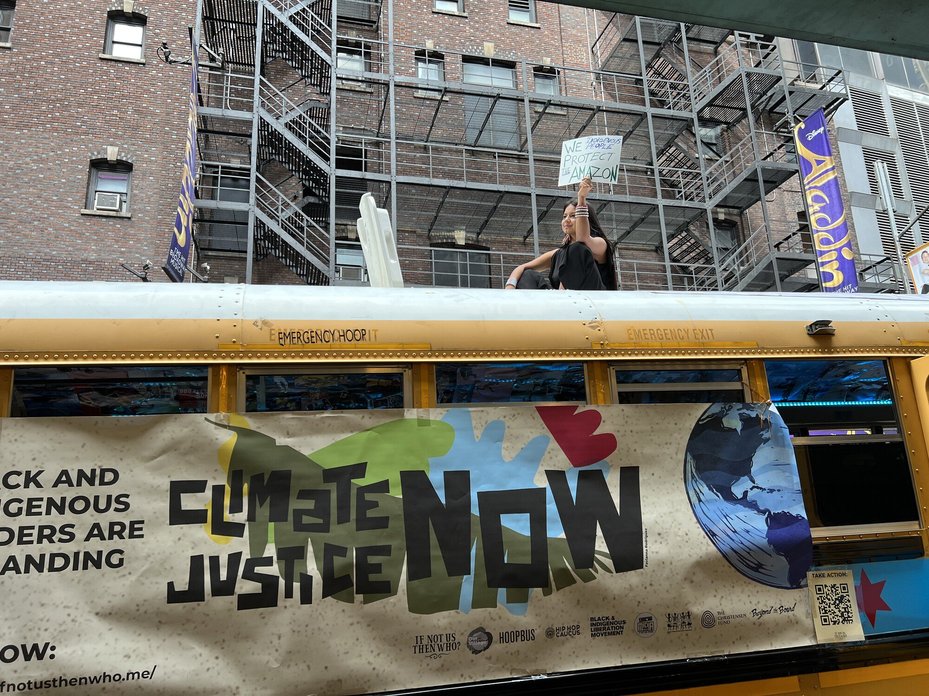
[869, 597]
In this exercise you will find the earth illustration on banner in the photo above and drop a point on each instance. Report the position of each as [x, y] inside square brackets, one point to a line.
[741, 477]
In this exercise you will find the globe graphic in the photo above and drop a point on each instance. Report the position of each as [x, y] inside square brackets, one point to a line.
[741, 479]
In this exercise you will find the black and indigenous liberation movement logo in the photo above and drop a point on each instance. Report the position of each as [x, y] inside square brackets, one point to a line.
[646, 625]
[479, 640]
[604, 626]
[708, 619]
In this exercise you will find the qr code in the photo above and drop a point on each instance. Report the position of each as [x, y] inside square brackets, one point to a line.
[835, 604]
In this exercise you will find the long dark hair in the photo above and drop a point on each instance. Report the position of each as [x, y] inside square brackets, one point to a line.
[597, 231]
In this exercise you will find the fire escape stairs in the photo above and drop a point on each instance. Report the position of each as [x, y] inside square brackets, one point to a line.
[667, 84]
[687, 250]
[674, 54]
[295, 236]
[296, 135]
[297, 34]
[679, 171]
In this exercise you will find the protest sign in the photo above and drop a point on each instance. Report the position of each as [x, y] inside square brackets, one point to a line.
[596, 156]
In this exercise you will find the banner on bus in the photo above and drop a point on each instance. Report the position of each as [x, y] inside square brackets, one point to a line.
[835, 259]
[352, 552]
[182, 238]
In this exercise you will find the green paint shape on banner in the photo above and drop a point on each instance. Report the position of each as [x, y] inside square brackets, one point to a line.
[401, 445]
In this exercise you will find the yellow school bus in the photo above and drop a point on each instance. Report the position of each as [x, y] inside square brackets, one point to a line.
[847, 375]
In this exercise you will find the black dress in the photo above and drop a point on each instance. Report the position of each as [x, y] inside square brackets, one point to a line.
[572, 266]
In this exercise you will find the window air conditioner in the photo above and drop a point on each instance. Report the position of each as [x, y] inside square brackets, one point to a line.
[107, 201]
[351, 273]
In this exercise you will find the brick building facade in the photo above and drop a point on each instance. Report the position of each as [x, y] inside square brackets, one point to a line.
[451, 113]
[72, 101]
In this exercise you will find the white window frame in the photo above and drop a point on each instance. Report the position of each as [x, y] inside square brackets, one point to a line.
[463, 259]
[351, 59]
[95, 186]
[7, 14]
[451, 6]
[550, 80]
[118, 45]
[350, 261]
[430, 62]
[502, 129]
[521, 11]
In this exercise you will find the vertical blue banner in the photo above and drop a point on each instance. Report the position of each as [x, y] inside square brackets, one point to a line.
[834, 256]
[179, 252]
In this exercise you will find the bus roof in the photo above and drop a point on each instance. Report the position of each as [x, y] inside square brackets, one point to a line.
[41, 320]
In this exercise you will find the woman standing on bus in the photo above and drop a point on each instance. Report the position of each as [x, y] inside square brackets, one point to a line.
[584, 261]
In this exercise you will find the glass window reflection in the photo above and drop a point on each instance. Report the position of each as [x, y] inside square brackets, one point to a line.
[694, 385]
[108, 391]
[324, 391]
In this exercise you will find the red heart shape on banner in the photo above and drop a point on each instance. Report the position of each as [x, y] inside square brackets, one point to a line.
[573, 430]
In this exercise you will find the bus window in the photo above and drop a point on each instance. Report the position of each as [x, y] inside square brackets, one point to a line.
[108, 391]
[637, 384]
[846, 436]
[333, 390]
[496, 383]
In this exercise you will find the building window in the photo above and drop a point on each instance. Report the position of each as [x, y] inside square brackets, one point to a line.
[460, 268]
[809, 61]
[850, 59]
[7, 9]
[449, 5]
[364, 11]
[522, 11]
[350, 58]
[125, 36]
[225, 226]
[108, 186]
[349, 188]
[503, 383]
[490, 122]
[350, 263]
[906, 72]
[546, 82]
[430, 65]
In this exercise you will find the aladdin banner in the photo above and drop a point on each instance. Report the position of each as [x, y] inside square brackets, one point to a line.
[357, 552]
[831, 239]
[179, 251]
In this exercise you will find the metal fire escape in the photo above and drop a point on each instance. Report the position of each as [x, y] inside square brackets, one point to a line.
[736, 152]
[307, 111]
[265, 133]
